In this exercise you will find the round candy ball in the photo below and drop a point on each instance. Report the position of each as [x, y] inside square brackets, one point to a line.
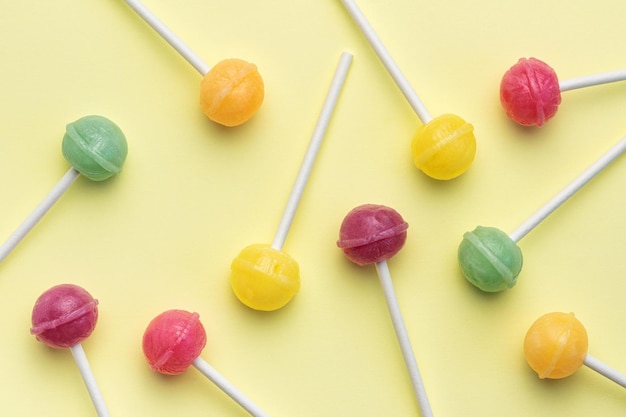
[173, 340]
[490, 259]
[64, 316]
[95, 146]
[444, 148]
[231, 92]
[555, 345]
[264, 278]
[372, 233]
[530, 93]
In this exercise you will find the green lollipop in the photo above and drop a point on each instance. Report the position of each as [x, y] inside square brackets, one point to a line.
[491, 260]
[96, 148]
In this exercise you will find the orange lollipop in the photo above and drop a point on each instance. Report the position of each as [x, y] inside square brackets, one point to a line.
[230, 93]
[556, 345]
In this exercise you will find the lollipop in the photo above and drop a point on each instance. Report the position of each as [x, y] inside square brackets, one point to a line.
[530, 91]
[555, 347]
[263, 277]
[96, 148]
[371, 234]
[230, 93]
[444, 147]
[63, 317]
[491, 260]
[174, 340]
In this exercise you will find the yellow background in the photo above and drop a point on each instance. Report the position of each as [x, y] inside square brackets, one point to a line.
[192, 194]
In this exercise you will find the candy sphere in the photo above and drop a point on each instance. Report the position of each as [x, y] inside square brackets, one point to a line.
[264, 278]
[173, 340]
[64, 316]
[444, 148]
[555, 345]
[530, 93]
[490, 259]
[95, 147]
[372, 233]
[231, 92]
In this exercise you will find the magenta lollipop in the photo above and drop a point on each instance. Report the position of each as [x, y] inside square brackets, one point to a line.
[371, 234]
[63, 317]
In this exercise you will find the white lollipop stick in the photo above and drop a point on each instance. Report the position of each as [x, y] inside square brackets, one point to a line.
[39, 211]
[383, 54]
[569, 190]
[403, 338]
[605, 370]
[169, 36]
[594, 79]
[311, 153]
[90, 381]
[225, 385]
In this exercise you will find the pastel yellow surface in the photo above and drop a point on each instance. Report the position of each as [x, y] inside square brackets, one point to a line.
[163, 233]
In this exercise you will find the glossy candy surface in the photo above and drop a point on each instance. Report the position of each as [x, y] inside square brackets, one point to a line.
[64, 316]
[264, 278]
[372, 233]
[530, 93]
[490, 259]
[555, 345]
[444, 148]
[173, 340]
[231, 92]
[95, 147]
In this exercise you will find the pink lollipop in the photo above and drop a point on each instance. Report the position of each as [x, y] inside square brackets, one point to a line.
[174, 340]
[371, 234]
[63, 317]
[530, 91]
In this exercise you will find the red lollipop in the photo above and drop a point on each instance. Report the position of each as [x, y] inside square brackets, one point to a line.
[174, 340]
[530, 91]
[371, 234]
[63, 317]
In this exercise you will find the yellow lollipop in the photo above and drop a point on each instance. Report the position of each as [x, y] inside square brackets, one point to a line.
[444, 147]
[263, 277]
[230, 93]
